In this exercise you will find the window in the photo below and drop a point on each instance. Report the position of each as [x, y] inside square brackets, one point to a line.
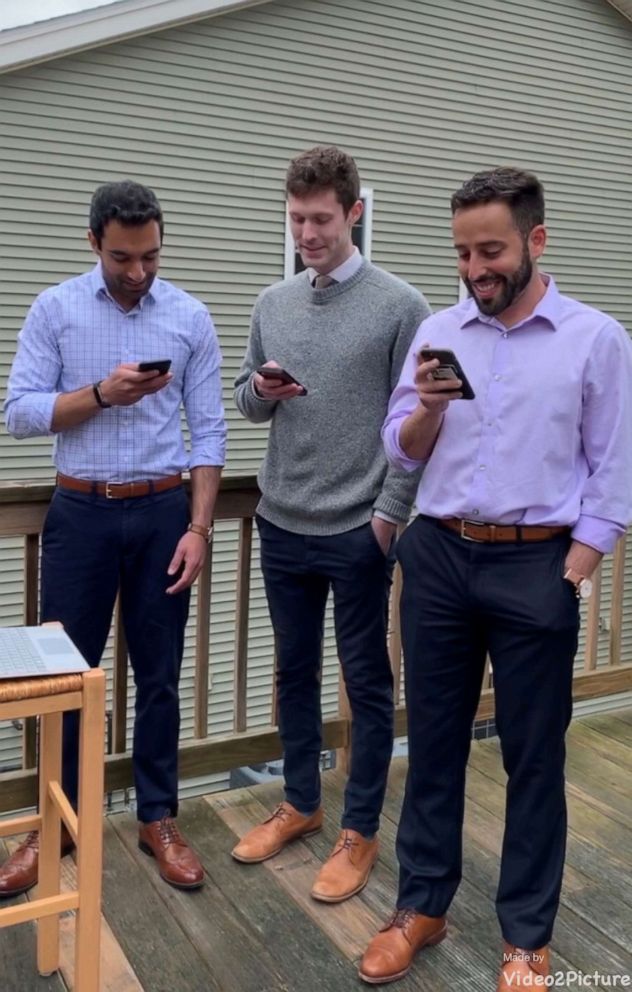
[361, 234]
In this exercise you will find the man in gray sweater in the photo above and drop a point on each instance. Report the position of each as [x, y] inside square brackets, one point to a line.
[330, 504]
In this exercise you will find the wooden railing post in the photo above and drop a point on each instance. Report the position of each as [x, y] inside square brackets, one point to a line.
[241, 624]
[31, 617]
[119, 683]
[202, 634]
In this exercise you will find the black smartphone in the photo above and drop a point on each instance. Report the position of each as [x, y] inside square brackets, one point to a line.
[269, 372]
[449, 368]
[161, 365]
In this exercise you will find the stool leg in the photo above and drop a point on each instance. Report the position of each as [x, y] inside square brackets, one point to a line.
[49, 840]
[90, 833]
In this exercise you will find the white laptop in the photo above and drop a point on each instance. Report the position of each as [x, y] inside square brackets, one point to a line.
[30, 651]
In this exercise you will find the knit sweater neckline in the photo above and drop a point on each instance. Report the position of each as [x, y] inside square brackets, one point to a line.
[320, 296]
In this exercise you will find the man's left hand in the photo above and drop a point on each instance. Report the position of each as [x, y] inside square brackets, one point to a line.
[190, 552]
[582, 559]
[384, 532]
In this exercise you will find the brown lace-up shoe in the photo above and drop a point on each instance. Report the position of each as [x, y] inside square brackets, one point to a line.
[520, 967]
[19, 872]
[347, 868]
[177, 863]
[271, 836]
[391, 953]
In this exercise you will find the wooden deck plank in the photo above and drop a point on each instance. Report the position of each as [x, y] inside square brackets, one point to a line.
[18, 955]
[608, 736]
[267, 909]
[153, 940]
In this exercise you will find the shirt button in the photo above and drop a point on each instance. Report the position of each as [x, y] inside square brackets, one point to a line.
[475, 513]
[497, 378]
[505, 334]
[481, 468]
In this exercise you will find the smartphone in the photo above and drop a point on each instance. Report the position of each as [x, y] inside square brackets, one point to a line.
[449, 368]
[161, 365]
[269, 372]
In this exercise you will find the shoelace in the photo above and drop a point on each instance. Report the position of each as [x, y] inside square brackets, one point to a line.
[279, 813]
[347, 844]
[401, 918]
[31, 840]
[169, 833]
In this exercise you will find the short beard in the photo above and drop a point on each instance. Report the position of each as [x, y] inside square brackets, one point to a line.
[513, 287]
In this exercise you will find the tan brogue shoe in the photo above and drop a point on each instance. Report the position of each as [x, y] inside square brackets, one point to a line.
[271, 836]
[18, 874]
[391, 953]
[520, 968]
[177, 863]
[347, 868]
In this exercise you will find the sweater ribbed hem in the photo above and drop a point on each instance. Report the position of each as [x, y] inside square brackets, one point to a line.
[338, 523]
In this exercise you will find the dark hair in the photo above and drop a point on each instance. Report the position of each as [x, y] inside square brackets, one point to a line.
[127, 202]
[324, 167]
[521, 191]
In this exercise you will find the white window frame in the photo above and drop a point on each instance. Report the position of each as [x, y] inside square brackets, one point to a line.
[366, 195]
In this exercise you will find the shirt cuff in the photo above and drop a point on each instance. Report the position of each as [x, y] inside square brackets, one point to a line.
[395, 453]
[385, 516]
[597, 533]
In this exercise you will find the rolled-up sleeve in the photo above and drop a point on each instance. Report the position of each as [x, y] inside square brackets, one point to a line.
[403, 402]
[202, 397]
[33, 385]
[606, 504]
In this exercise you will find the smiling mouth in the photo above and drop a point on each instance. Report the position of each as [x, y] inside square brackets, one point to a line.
[486, 287]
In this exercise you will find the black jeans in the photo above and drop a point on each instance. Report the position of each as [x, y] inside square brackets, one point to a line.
[461, 600]
[299, 571]
[89, 545]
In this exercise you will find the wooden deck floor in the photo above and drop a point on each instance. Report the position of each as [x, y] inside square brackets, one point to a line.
[255, 928]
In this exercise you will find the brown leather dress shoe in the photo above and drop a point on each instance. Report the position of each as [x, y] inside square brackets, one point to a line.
[391, 953]
[177, 863]
[347, 868]
[18, 874]
[520, 967]
[271, 836]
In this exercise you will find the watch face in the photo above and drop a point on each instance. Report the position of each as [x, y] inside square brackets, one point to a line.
[585, 588]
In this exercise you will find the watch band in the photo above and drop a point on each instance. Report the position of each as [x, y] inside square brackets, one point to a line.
[205, 532]
[96, 389]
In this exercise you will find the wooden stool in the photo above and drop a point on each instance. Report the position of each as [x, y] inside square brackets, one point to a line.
[50, 698]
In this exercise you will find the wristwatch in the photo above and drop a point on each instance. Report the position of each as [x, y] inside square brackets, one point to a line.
[205, 532]
[583, 586]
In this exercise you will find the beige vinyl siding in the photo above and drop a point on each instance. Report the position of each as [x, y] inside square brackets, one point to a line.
[422, 93]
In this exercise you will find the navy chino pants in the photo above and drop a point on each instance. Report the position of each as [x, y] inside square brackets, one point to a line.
[299, 570]
[90, 545]
[461, 600]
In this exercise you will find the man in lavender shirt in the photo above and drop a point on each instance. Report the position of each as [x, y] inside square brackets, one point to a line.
[524, 489]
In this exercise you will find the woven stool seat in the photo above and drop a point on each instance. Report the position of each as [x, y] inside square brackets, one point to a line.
[52, 685]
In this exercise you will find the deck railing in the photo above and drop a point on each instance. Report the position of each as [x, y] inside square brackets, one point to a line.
[23, 508]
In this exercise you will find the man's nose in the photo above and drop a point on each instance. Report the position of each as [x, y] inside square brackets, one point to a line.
[136, 272]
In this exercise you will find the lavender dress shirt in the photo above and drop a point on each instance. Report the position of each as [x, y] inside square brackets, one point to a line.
[548, 438]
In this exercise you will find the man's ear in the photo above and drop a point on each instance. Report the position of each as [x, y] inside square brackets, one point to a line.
[94, 244]
[356, 212]
[537, 241]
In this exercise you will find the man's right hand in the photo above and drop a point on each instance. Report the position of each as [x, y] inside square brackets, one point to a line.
[126, 385]
[432, 392]
[275, 389]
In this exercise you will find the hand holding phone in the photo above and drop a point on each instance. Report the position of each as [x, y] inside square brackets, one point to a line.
[441, 368]
[275, 383]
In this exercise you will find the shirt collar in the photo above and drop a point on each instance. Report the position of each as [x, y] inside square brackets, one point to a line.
[100, 289]
[549, 309]
[342, 272]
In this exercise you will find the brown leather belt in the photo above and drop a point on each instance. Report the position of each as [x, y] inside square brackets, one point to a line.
[119, 490]
[471, 530]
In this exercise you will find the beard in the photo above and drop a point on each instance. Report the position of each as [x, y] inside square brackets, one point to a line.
[510, 289]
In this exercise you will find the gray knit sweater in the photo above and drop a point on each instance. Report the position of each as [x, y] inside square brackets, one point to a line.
[325, 470]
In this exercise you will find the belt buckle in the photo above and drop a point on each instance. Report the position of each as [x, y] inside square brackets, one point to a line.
[108, 489]
[474, 523]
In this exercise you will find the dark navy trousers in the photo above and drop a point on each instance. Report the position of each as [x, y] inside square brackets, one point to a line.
[299, 570]
[461, 600]
[90, 546]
